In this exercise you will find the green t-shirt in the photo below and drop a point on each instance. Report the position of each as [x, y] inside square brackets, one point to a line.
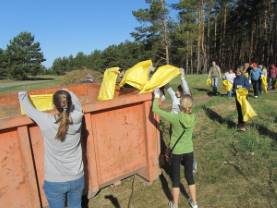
[182, 126]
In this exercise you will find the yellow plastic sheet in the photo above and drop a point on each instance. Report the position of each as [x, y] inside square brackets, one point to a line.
[209, 82]
[107, 87]
[41, 102]
[264, 84]
[246, 74]
[138, 75]
[227, 85]
[162, 76]
[247, 110]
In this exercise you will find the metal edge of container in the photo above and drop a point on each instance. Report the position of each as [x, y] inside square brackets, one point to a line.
[17, 121]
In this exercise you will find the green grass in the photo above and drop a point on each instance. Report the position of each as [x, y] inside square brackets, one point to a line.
[234, 169]
[8, 86]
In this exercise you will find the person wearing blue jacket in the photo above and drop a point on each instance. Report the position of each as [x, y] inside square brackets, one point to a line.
[255, 75]
[240, 82]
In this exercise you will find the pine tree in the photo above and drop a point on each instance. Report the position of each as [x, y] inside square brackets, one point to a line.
[24, 56]
[153, 32]
[3, 64]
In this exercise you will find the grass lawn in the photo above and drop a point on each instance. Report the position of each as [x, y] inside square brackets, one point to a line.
[44, 81]
[234, 169]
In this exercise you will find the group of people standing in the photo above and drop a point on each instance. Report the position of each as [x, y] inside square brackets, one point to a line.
[243, 77]
[252, 72]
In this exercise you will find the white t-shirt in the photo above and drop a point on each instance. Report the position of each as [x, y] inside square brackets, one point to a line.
[230, 76]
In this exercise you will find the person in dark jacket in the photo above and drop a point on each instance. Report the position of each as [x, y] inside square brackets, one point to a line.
[255, 75]
[240, 82]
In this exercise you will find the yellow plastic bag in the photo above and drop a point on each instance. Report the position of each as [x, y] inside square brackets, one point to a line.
[247, 110]
[246, 74]
[227, 85]
[162, 76]
[264, 84]
[138, 75]
[41, 102]
[107, 87]
[209, 82]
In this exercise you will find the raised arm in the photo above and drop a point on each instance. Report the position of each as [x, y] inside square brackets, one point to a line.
[77, 113]
[36, 115]
[184, 83]
[171, 93]
[171, 117]
[75, 101]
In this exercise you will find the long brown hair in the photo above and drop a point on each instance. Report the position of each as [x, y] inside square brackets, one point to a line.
[63, 103]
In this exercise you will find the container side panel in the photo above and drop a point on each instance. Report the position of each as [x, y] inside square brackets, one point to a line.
[38, 151]
[14, 182]
[120, 141]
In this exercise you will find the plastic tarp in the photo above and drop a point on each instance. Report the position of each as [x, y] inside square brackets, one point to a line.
[209, 82]
[247, 110]
[162, 76]
[107, 88]
[264, 84]
[138, 75]
[41, 102]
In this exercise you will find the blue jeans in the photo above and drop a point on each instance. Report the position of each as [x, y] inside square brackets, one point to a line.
[230, 93]
[56, 193]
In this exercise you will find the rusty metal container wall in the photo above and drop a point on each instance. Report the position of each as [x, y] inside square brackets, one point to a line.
[120, 139]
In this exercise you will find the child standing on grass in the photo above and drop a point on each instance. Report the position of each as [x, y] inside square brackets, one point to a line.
[64, 174]
[181, 145]
[215, 74]
[240, 82]
[255, 75]
[230, 76]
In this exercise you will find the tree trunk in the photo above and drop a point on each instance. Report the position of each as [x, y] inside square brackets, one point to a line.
[166, 41]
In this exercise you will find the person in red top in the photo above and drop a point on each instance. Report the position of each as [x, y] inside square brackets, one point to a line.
[272, 74]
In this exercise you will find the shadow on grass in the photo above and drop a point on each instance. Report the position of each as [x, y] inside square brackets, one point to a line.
[209, 93]
[214, 116]
[38, 78]
[262, 130]
[113, 200]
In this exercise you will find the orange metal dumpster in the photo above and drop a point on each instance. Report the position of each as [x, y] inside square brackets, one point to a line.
[119, 138]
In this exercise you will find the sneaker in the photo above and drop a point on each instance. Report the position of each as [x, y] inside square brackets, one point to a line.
[242, 129]
[192, 204]
[171, 205]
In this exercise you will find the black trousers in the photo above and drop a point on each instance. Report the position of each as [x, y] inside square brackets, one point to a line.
[187, 161]
[240, 116]
[256, 87]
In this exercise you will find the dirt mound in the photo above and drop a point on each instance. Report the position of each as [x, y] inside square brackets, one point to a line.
[82, 76]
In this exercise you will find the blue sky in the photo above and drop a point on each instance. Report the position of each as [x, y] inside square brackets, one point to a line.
[65, 27]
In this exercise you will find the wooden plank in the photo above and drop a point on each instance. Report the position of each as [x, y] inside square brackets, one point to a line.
[27, 155]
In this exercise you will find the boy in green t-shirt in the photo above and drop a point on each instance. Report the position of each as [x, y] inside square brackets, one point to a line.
[181, 145]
